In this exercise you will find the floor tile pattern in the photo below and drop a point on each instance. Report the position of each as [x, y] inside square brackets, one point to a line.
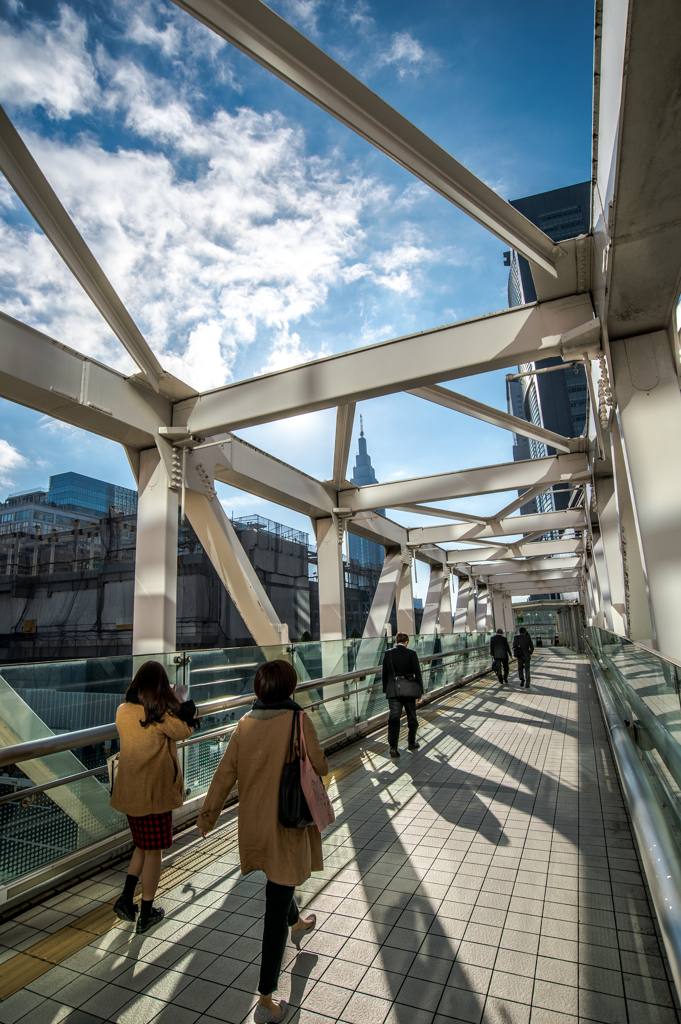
[490, 877]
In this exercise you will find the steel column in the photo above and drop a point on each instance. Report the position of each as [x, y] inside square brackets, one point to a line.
[384, 597]
[606, 501]
[404, 599]
[649, 414]
[331, 580]
[223, 547]
[431, 612]
[155, 601]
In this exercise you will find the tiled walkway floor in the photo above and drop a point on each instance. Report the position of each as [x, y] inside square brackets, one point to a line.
[489, 877]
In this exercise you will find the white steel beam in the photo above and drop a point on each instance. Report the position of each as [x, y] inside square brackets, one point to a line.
[529, 577]
[51, 378]
[533, 564]
[520, 550]
[445, 620]
[464, 614]
[241, 465]
[155, 597]
[518, 502]
[431, 611]
[345, 416]
[331, 579]
[37, 195]
[263, 35]
[637, 605]
[495, 341]
[442, 513]
[568, 586]
[508, 476]
[478, 410]
[384, 595]
[606, 503]
[234, 568]
[537, 522]
[481, 611]
[649, 410]
[404, 599]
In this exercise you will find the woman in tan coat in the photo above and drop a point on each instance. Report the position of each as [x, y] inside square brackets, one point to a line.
[149, 783]
[255, 757]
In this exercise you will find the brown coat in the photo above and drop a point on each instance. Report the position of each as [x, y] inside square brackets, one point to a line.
[149, 779]
[255, 757]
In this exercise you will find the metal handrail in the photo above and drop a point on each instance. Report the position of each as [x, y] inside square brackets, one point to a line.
[9, 798]
[32, 749]
[656, 841]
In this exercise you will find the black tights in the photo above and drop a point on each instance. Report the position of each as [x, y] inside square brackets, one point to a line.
[281, 911]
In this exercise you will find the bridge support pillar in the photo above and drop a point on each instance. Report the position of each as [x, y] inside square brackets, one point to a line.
[331, 580]
[649, 413]
[384, 597]
[446, 623]
[155, 601]
[637, 607]
[431, 612]
[405, 600]
[606, 501]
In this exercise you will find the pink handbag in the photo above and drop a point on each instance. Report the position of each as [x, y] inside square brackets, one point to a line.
[318, 802]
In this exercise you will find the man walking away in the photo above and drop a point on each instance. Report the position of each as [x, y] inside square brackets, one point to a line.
[501, 652]
[523, 648]
[401, 667]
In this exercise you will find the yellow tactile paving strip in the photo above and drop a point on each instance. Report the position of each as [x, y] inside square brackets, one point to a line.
[25, 967]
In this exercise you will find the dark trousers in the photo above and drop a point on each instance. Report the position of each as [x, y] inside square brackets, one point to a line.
[501, 669]
[281, 911]
[524, 668]
[396, 704]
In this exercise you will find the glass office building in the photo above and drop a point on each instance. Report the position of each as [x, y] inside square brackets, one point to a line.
[76, 497]
[79, 493]
[557, 400]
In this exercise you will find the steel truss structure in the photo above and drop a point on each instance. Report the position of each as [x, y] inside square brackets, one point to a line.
[607, 299]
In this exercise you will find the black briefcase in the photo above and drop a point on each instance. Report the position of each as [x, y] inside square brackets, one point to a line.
[408, 687]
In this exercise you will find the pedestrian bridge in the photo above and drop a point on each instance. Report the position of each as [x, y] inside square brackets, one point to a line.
[501, 873]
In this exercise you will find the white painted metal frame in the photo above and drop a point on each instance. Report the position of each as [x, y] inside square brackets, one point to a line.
[617, 550]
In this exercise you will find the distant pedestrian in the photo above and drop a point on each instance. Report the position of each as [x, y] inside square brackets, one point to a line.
[255, 757]
[523, 649]
[148, 783]
[500, 652]
[402, 673]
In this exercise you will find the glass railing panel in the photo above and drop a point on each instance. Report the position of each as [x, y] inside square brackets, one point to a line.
[645, 688]
[41, 828]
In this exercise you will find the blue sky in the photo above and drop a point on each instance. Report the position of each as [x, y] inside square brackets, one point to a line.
[247, 230]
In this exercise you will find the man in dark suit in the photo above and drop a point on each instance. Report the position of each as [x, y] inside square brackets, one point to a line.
[501, 652]
[523, 649]
[403, 663]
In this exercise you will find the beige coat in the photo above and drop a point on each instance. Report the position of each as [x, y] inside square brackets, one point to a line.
[149, 779]
[255, 757]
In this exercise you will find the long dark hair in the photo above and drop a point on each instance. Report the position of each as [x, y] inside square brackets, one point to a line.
[151, 687]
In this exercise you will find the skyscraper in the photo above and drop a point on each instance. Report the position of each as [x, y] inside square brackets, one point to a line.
[364, 552]
[555, 400]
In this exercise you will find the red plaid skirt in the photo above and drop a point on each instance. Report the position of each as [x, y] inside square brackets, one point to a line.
[152, 831]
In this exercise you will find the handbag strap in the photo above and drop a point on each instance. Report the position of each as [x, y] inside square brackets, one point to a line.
[301, 736]
[291, 749]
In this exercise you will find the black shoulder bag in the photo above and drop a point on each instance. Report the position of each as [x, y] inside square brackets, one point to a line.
[407, 686]
[293, 809]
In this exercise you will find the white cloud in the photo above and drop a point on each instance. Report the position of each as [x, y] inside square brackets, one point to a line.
[48, 65]
[209, 260]
[406, 54]
[253, 242]
[167, 39]
[288, 351]
[10, 460]
[302, 13]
